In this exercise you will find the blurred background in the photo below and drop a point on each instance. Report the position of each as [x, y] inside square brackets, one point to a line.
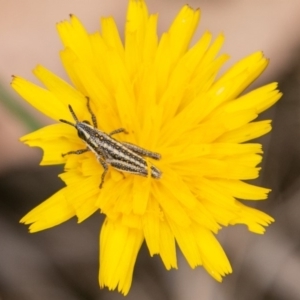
[62, 263]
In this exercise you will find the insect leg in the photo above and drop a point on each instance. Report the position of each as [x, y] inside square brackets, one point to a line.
[127, 167]
[105, 167]
[80, 151]
[141, 151]
[119, 130]
[94, 120]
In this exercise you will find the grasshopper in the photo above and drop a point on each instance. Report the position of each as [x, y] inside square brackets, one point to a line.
[123, 156]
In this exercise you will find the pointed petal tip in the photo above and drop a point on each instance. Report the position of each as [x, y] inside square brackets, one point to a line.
[35, 227]
[229, 271]
[38, 68]
[221, 35]
[14, 78]
[25, 220]
[23, 139]
[271, 220]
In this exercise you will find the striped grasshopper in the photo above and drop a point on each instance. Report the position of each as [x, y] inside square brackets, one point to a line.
[122, 156]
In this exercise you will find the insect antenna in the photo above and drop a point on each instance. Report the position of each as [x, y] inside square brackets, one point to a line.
[94, 120]
[73, 115]
[67, 122]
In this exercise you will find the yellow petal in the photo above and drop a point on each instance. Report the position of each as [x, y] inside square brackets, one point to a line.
[182, 30]
[242, 190]
[167, 249]
[82, 196]
[141, 194]
[247, 132]
[63, 92]
[75, 37]
[260, 99]
[243, 73]
[171, 206]
[187, 244]
[136, 20]
[41, 99]
[52, 212]
[111, 35]
[255, 220]
[69, 59]
[55, 140]
[213, 256]
[151, 223]
[119, 246]
[174, 43]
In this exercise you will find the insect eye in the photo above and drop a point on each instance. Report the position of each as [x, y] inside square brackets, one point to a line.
[81, 135]
[86, 122]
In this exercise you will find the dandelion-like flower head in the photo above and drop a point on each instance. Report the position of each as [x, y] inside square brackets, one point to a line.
[167, 96]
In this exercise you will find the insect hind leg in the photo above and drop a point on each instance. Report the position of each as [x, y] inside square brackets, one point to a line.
[142, 151]
[127, 167]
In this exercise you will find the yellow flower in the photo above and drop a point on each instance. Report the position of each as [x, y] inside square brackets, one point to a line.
[169, 98]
